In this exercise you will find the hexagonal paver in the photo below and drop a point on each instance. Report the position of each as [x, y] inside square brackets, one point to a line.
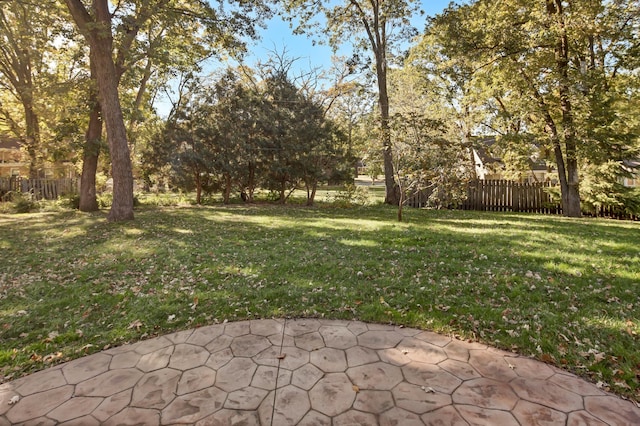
[248, 398]
[420, 351]
[249, 345]
[236, 329]
[394, 356]
[74, 408]
[338, 337]
[360, 356]
[333, 394]
[179, 337]
[196, 379]
[218, 359]
[131, 416]
[309, 341]
[268, 378]
[486, 393]
[155, 360]
[529, 413]
[430, 376]
[291, 405]
[418, 399]
[39, 382]
[434, 338]
[205, 335]
[220, 343]
[379, 339]
[398, 416]
[446, 416]
[491, 366]
[461, 370]
[85, 368]
[483, 416]
[530, 368]
[306, 376]
[354, 417]
[39, 404]
[289, 358]
[156, 389]
[266, 328]
[547, 394]
[109, 383]
[583, 418]
[612, 410]
[236, 374]
[299, 327]
[125, 360]
[379, 376]
[151, 345]
[112, 404]
[186, 357]
[313, 418]
[193, 407]
[457, 350]
[231, 417]
[575, 384]
[329, 360]
[373, 401]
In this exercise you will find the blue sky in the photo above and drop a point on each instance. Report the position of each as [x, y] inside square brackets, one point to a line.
[278, 36]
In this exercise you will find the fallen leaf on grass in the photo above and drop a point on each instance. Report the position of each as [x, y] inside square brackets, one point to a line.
[135, 324]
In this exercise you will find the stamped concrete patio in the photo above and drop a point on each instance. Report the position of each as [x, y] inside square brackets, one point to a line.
[308, 372]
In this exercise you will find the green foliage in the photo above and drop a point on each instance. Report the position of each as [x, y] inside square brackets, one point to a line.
[601, 188]
[349, 196]
[237, 136]
[22, 202]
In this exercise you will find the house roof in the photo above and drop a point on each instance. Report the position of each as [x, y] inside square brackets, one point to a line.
[9, 142]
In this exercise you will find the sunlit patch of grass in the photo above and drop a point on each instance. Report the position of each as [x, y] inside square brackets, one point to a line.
[561, 290]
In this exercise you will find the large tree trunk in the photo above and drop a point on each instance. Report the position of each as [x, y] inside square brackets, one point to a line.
[97, 30]
[32, 136]
[88, 200]
[93, 140]
[392, 194]
[570, 193]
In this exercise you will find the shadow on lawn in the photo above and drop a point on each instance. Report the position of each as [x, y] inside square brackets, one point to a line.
[545, 286]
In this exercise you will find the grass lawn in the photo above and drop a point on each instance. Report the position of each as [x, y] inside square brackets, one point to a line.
[562, 290]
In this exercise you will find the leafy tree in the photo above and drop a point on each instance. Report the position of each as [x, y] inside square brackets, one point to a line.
[149, 38]
[551, 68]
[27, 31]
[374, 26]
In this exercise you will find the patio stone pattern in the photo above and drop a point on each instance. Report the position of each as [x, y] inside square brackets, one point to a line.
[308, 372]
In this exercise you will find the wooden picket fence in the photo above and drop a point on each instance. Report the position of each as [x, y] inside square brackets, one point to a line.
[504, 195]
[47, 189]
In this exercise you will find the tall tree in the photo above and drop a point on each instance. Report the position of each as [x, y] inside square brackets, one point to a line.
[561, 57]
[26, 32]
[373, 25]
[96, 27]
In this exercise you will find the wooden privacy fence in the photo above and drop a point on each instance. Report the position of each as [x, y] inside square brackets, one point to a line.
[504, 195]
[47, 189]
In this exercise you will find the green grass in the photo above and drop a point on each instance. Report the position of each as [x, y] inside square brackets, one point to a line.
[563, 291]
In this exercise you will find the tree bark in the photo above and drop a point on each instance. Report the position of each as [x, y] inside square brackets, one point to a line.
[571, 194]
[88, 200]
[92, 142]
[98, 34]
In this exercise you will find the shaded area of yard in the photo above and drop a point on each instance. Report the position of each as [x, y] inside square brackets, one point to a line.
[563, 291]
